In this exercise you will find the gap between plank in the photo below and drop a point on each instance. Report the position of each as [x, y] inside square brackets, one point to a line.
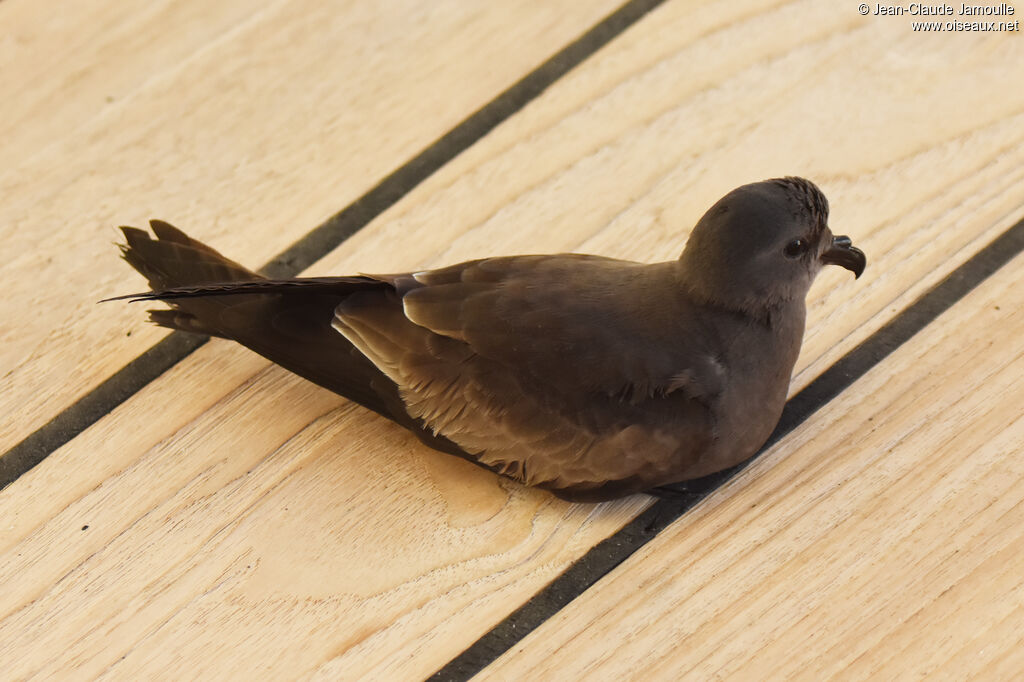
[317, 243]
[612, 551]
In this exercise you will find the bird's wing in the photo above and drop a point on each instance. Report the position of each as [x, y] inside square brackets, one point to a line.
[604, 325]
[571, 373]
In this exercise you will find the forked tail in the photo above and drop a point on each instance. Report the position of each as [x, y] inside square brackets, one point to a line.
[285, 321]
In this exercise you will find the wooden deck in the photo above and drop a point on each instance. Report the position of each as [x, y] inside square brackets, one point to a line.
[229, 520]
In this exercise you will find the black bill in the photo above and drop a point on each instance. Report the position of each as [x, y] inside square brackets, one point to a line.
[845, 254]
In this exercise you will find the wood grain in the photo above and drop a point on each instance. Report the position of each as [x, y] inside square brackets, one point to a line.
[282, 555]
[242, 521]
[880, 540]
[249, 124]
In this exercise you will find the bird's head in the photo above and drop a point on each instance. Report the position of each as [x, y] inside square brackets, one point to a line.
[762, 245]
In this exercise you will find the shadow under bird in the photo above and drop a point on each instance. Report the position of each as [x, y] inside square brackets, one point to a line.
[590, 377]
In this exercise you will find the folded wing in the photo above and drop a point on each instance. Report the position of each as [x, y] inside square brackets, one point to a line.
[572, 373]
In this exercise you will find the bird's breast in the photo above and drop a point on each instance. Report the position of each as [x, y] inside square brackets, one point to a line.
[759, 361]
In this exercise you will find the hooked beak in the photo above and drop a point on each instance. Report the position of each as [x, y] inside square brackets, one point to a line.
[844, 253]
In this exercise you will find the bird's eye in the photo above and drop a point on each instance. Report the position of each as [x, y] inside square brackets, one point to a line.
[796, 248]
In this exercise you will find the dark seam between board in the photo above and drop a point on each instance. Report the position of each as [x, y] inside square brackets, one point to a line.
[615, 549]
[317, 243]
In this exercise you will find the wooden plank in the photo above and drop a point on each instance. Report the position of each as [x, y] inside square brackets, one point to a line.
[880, 540]
[282, 555]
[242, 520]
[68, 66]
[248, 124]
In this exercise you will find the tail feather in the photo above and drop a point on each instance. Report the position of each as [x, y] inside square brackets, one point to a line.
[174, 259]
[211, 294]
[180, 320]
[299, 285]
[286, 321]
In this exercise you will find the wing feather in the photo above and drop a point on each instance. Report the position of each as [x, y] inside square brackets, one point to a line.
[524, 363]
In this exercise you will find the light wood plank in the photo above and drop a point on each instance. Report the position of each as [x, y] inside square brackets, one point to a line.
[249, 123]
[283, 555]
[238, 517]
[68, 66]
[881, 540]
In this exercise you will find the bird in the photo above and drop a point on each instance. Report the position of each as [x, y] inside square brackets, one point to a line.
[587, 376]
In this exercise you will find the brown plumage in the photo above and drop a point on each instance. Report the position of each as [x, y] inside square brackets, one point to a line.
[588, 376]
